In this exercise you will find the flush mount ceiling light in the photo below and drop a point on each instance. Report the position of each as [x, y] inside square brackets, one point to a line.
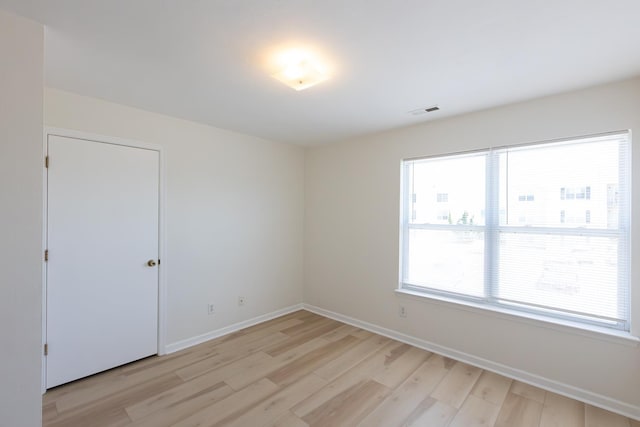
[300, 70]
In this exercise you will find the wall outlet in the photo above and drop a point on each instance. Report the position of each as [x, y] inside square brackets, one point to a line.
[210, 309]
[402, 311]
[241, 300]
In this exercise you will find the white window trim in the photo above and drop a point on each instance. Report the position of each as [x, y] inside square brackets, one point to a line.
[487, 303]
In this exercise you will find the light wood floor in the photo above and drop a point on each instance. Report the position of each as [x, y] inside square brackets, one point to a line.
[306, 370]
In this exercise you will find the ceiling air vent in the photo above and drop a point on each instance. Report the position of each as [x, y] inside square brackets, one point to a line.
[424, 110]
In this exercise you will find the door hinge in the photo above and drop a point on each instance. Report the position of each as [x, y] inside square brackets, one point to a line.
[46, 255]
[46, 161]
[46, 349]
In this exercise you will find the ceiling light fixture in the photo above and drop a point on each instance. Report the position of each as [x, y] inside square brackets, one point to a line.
[300, 70]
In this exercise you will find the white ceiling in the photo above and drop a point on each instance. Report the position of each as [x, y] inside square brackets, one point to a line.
[203, 60]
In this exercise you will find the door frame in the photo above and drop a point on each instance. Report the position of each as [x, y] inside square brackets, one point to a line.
[162, 267]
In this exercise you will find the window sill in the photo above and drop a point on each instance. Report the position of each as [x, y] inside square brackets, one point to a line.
[605, 334]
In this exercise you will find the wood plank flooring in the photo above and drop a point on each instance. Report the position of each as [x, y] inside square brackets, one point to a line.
[304, 370]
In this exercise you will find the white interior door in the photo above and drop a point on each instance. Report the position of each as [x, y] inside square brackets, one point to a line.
[102, 230]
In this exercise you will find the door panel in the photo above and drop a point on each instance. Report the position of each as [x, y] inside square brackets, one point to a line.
[102, 228]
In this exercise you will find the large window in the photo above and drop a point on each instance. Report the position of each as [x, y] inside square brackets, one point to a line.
[541, 228]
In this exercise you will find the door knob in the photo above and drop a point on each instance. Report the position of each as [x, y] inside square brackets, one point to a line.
[151, 263]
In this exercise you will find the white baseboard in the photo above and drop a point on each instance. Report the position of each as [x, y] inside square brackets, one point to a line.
[199, 339]
[567, 390]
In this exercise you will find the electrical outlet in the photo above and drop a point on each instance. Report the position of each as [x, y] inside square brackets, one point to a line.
[241, 300]
[402, 311]
[210, 309]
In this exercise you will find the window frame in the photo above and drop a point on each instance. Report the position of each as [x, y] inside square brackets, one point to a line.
[492, 230]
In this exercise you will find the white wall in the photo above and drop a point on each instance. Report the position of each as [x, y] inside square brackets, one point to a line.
[21, 71]
[234, 212]
[352, 232]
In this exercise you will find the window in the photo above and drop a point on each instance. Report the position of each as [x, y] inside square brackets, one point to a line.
[570, 193]
[443, 216]
[494, 250]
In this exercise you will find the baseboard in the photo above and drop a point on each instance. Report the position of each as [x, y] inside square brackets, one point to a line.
[567, 390]
[199, 339]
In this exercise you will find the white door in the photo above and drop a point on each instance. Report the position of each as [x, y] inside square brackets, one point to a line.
[102, 240]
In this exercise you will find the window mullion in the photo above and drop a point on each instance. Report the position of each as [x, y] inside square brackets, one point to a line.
[492, 218]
